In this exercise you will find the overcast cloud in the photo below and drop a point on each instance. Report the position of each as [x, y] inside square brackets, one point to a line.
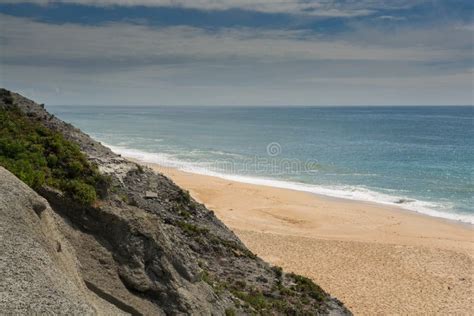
[327, 8]
[360, 57]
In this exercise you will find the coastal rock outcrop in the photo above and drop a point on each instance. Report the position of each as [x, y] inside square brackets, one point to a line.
[145, 247]
[38, 267]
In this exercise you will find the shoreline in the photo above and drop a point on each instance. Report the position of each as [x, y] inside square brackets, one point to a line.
[375, 258]
[371, 197]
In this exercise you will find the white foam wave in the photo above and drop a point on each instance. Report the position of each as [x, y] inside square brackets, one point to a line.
[338, 191]
[161, 159]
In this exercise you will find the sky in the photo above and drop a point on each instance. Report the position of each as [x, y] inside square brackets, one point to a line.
[241, 52]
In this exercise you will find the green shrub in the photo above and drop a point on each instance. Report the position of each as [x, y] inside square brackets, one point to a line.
[81, 192]
[256, 299]
[278, 271]
[39, 156]
[6, 96]
[307, 286]
[191, 229]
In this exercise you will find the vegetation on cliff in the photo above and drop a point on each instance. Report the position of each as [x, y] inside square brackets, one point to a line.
[40, 156]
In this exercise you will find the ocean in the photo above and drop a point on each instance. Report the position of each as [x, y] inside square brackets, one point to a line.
[417, 158]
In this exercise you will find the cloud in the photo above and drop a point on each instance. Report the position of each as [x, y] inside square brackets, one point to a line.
[125, 45]
[467, 27]
[231, 85]
[120, 63]
[324, 8]
[391, 18]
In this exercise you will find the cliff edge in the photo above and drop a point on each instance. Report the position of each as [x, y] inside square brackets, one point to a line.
[142, 246]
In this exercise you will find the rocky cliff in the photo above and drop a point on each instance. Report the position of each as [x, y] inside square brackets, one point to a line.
[143, 247]
[38, 267]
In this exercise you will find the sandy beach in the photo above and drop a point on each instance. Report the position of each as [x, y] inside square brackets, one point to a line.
[376, 259]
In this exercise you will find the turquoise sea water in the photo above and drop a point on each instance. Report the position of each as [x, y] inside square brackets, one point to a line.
[420, 158]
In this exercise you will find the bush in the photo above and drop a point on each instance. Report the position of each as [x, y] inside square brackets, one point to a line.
[81, 192]
[39, 156]
[191, 229]
[230, 312]
[278, 271]
[308, 287]
[6, 96]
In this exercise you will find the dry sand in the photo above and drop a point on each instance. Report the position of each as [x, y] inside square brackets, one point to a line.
[376, 259]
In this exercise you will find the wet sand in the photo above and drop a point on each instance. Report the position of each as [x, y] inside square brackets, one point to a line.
[376, 259]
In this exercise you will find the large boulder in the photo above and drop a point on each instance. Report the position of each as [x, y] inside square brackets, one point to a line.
[38, 267]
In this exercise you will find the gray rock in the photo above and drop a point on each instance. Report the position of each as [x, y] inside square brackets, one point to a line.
[150, 195]
[34, 276]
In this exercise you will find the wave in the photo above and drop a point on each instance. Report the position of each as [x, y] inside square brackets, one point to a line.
[358, 193]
